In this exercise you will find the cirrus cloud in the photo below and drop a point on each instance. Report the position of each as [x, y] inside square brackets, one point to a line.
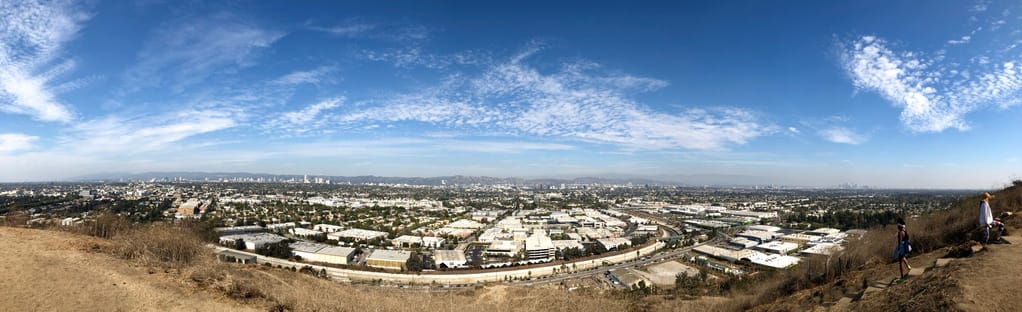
[13, 142]
[841, 135]
[580, 101]
[32, 35]
[934, 94]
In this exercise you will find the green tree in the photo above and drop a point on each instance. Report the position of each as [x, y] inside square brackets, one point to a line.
[281, 249]
[414, 263]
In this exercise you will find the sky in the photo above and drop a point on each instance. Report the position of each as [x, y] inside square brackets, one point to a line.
[898, 94]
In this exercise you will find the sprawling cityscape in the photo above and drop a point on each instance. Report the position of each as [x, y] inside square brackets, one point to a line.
[510, 156]
[447, 235]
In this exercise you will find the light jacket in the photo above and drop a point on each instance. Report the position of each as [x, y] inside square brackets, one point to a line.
[985, 216]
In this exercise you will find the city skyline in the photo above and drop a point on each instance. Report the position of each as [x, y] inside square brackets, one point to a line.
[889, 94]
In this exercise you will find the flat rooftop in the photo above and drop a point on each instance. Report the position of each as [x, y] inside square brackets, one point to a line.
[390, 255]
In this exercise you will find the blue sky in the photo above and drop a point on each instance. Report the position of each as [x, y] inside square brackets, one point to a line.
[813, 93]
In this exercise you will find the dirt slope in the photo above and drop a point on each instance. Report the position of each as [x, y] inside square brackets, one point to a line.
[990, 280]
[54, 271]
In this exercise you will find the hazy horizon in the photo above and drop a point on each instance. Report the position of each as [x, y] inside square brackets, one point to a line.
[804, 93]
[678, 180]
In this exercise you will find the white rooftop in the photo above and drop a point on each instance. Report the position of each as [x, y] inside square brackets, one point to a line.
[337, 251]
[778, 247]
[538, 241]
[824, 249]
[390, 255]
[773, 261]
[449, 256]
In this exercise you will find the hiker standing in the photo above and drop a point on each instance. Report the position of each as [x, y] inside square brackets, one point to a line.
[986, 217]
[902, 248]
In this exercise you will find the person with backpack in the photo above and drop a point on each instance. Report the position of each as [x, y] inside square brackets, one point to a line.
[902, 249]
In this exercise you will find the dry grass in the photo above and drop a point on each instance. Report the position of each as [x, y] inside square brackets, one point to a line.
[283, 290]
[162, 244]
[105, 225]
[931, 232]
[182, 246]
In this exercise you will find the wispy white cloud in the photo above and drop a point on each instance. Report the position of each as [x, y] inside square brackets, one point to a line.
[32, 35]
[997, 25]
[13, 142]
[842, 135]
[346, 30]
[304, 120]
[963, 40]
[580, 101]
[127, 135]
[501, 147]
[933, 93]
[980, 6]
[378, 31]
[314, 76]
[794, 130]
[414, 56]
[186, 52]
[413, 147]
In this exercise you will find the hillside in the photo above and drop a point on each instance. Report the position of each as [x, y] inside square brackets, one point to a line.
[951, 273]
[163, 268]
[57, 271]
[54, 271]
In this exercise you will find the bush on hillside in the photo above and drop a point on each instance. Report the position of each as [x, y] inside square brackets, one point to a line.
[280, 250]
[928, 232]
[160, 244]
[106, 225]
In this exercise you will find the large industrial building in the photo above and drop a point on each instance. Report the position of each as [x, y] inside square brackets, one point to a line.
[450, 258]
[388, 259]
[252, 240]
[314, 252]
[539, 246]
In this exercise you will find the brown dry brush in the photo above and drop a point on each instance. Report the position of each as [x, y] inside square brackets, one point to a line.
[283, 290]
[104, 225]
[930, 232]
[162, 244]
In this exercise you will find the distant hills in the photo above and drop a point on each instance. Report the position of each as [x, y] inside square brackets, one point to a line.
[449, 180]
[694, 180]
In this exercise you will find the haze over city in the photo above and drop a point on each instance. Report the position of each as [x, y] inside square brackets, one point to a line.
[812, 93]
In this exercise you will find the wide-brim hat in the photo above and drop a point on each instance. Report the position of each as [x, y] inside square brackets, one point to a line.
[987, 196]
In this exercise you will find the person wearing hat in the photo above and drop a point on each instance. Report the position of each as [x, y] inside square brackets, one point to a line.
[986, 217]
[902, 249]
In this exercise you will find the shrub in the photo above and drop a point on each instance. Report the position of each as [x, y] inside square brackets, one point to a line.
[160, 243]
[106, 225]
[928, 233]
[280, 250]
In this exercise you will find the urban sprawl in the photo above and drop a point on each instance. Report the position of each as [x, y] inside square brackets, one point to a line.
[449, 235]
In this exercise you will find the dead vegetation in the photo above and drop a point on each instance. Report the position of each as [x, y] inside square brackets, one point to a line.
[283, 290]
[815, 282]
[160, 244]
[823, 280]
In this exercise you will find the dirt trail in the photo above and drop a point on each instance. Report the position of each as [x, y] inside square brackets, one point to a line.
[54, 271]
[984, 281]
[990, 280]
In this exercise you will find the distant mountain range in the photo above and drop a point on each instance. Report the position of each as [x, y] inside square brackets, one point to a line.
[449, 180]
[695, 180]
